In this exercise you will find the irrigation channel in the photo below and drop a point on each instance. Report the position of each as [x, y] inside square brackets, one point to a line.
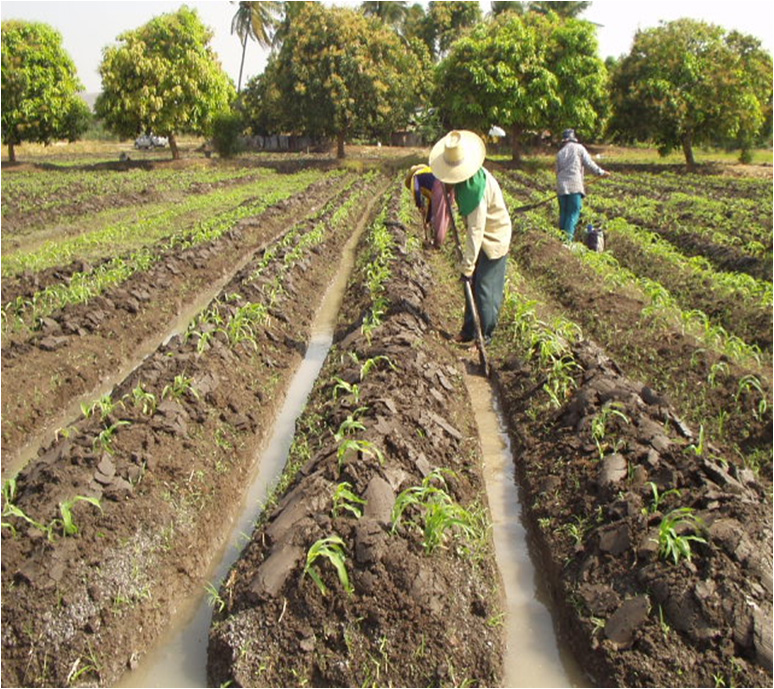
[535, 656]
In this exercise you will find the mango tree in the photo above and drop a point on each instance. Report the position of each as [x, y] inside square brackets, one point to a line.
[339, 73]
[163, 78]
[530, 72]
[39, 86]
[687, 82]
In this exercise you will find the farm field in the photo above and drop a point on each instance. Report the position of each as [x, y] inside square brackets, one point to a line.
[154, 312]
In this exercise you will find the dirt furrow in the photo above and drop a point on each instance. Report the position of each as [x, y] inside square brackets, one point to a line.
[82, 347]
[117, 520]
[388, 425]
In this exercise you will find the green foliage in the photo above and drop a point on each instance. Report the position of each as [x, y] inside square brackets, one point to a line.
[345, 499]
[179, 388]
[39, 86]
[671, 542]
[339, 73]
[256, 21]
[164, 78]
[65, 521]
[599, 424]
[227, 128]
[69, 527]
[524, 73]
[687, 82]
[439, 512]
[331, 548]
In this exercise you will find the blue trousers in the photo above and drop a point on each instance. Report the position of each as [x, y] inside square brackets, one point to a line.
[488, 285]
[569, 213]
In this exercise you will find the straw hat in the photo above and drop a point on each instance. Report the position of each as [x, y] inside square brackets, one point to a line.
[458, 156]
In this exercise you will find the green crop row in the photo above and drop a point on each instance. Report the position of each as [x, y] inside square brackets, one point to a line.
[154, 222]
[23, 312]
[35, 191]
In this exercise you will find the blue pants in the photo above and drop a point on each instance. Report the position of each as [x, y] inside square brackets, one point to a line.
[488, 286]
[569, 213]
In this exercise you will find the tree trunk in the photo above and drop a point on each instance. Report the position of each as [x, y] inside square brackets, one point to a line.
[11, 153]
[690, 161]
[516, 131]
[173, 147]
[340, 144]
[242, 63]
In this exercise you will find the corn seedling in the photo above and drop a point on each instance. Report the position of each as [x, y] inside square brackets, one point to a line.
[69, 527]
[440, 512]
[601, 419]
[104, 439]
[372, 363]
[213, 597]
[11, 510]
[699, 447]
[364, 446]
[345, 499]
[104, 404]
[672, 544]
[752, 384]
[347, 427]
[346, 388]
[658, 497]
[179, 388]
[144, 399]
[577, 530]
[332, 548]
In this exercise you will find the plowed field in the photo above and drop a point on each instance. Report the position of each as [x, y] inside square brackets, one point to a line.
[153, 316]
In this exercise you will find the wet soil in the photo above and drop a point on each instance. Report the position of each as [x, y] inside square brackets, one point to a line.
[417, 615]
[167, 472]
[79, 610]
[76, 348]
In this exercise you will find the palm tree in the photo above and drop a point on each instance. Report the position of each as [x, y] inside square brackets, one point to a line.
[256, 20]
[391, 13]
[563, 9]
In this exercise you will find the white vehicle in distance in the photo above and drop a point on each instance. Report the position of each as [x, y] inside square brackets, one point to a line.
[150, 141]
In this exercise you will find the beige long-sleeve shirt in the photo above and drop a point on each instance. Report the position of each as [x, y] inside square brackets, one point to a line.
[489, 227]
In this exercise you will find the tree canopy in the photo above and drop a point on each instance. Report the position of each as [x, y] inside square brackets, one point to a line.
[163, 77]
[530, 72]
[687, 82]
[338, 73]
[563, 9]
[39, 86]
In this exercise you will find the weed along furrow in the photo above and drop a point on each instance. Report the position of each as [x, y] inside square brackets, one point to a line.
[117, 519]
[77, 348]
[372, 563]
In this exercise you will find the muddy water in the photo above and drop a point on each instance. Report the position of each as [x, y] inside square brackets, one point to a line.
[180, 660]
[534, 656]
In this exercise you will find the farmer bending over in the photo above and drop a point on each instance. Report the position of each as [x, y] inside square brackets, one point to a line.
[457, 160]
[571, 161]
[428, 193]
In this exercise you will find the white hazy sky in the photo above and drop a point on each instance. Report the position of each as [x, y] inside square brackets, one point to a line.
[88, 26]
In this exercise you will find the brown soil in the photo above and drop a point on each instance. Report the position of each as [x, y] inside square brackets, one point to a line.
[167, 478]
[414, 618]
[45, 370]
[82, 609]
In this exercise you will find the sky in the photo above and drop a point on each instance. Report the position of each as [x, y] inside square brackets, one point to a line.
[88, 26]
